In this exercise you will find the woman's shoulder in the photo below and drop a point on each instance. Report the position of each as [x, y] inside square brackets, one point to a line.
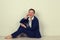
[35, 18]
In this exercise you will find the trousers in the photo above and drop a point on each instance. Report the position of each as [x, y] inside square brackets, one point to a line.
[27, 31]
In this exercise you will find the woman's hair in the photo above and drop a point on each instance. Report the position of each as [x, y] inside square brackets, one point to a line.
[32, 10]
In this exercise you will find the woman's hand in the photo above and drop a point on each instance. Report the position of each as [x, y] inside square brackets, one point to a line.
[22, 25]
[26, 16]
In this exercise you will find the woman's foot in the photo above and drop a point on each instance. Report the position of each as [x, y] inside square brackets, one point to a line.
[8, 37]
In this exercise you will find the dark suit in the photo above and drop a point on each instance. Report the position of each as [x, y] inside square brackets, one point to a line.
[32, 32]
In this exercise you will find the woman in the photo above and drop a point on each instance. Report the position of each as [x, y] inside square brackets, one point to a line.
[28, 25]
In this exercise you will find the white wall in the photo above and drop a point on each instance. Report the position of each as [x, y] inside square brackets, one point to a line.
[12, 11]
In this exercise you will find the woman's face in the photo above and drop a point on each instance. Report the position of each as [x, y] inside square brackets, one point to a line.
[31, 13]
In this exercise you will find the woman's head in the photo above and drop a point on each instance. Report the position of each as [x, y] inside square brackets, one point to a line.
[31, 12]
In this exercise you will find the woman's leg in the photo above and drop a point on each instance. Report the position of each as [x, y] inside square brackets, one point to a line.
[33, 34]
[19, 31]
[30, 34]
[15, 34]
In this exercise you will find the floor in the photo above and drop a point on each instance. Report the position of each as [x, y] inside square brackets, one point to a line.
[25, 38]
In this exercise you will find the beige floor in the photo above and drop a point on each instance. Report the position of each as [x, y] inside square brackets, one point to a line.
[43, 38]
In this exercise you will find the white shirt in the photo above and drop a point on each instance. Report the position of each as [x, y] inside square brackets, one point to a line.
[30, 21]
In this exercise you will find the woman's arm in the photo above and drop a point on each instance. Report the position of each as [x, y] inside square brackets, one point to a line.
[22, 25]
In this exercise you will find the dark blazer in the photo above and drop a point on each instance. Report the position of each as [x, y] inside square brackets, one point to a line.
[35, 25]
